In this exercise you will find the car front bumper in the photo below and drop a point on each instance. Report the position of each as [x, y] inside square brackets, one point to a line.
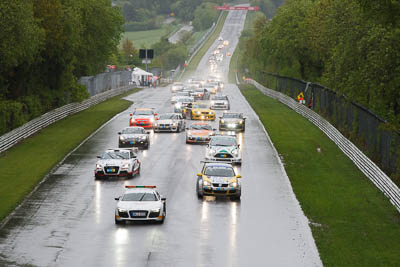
[129, 216]
[233, 160]
[197, 139]
[133, 143]
[231, 126]
[146, 124]
[208, 117]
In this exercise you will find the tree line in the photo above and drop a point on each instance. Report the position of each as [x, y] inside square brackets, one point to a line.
[45, 46]
[350, 46]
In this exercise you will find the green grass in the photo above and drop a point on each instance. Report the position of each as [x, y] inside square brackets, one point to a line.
[353, 223]
[25, 165]
[144, 39]
[203, 50]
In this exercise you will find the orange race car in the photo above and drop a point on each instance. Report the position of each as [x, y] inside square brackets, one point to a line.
[199, 132]
[143, 117]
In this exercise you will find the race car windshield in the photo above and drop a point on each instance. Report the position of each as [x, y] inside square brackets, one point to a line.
[200, 106]
[219, 97]
[185, 100]
[221, 141]
[143, 112]
[232, 116]
[167, 116]
[116, 155]
[182, 94]
[219, 171]
[201, 127]
[133, 131]
[139, 197]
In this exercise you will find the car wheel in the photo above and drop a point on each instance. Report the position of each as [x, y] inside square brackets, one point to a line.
[199, 194]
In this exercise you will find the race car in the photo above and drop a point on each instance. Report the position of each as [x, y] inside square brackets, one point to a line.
[211, 87]
[170, 122]
[200, 94]
[140, 203]
[179, 95]
[117, 162]
[201, 111]
[224, 148]
[176, 86]
[143, 117]
[218, 179]
[220, 102]
[182, 103]
[232, 121]
[199, 132]
[134, 136]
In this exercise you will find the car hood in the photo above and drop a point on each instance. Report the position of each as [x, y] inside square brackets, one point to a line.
[220, 179]
[223, 149]
[130, 136]
[139, 205]
[220, 101]
[232, 120]
[112, 162]
[202, 110]
[142, 117]
[165, 121]
[200, 132]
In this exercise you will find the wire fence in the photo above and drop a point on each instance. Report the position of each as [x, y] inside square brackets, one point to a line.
[362, 126]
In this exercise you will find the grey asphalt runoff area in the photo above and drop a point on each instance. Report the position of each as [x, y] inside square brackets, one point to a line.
[69, 220]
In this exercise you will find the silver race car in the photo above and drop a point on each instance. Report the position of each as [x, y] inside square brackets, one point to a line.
[176, 86]
[220, 102]
[231, 121]
[140, 203]
[224, 148]
[117, 162]
[169, 122]
[134, 136]
[218, 179]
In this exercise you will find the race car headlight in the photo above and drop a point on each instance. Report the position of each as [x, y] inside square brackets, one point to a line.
[206, 183]
[99, 166]
[151, 120]
[122, 210]
[211, 151]
[121, 138]
[234, 184]
[125, 166]
[178, 105]
[198, 112]
[212, 103]
[222, 121]
[175, 124]
[241, 122]
[143, 137]
[189, 133]
[156, 210]
[155, 124]
[235, 151]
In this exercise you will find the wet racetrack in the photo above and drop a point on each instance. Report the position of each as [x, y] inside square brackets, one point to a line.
[69, 220]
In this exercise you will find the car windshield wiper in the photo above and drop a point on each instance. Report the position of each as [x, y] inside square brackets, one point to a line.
[142, 197]
[110, 155]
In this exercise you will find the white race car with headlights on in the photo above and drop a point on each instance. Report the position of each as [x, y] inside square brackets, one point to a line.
[224, 148]
[117, 162]
[232, 121]
[169, 122]
[220, 102]
[140, 203]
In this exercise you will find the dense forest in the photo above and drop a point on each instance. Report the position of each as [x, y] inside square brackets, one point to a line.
[45, 46]
[350, 46]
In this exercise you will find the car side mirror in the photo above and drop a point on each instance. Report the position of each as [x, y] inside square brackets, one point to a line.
[130, 114]
[244, 118]
[99, 157]
[214, 129]
[163, 199]
[187, 128]
[199, 174]
[134, 156]
[147, 132]
[238, 145]
[117, 198]
[238, 176]
[119, 132]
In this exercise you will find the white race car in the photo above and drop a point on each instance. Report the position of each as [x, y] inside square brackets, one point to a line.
[176, 86]
[117, 162]
[140, 203]
[224, 148]
[220, 102]
[170, 122]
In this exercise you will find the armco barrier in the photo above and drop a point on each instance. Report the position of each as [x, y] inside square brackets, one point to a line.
[11, 138]
[368, 167]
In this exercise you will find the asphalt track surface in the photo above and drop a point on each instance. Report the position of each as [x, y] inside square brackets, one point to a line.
[69, 220]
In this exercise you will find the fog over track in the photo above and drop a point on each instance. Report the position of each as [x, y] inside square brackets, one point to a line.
[69, 220]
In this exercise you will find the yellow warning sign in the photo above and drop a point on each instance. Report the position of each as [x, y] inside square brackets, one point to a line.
[301, 95]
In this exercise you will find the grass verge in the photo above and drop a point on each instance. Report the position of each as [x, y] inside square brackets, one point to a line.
[25, 165]
[203, 50]
[145, 39]
[352, 222]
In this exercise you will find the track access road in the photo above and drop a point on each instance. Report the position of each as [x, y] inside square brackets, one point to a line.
[69, 219]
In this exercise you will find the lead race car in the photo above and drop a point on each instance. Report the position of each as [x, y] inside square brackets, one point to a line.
[143, 117]
[224, 148]
[140, 203]
[218, 179]
[117, 163]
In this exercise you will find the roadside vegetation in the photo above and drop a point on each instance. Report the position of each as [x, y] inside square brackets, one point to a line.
[29, 161]
[352, 222]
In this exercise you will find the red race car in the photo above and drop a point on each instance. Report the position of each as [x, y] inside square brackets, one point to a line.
[143, 117]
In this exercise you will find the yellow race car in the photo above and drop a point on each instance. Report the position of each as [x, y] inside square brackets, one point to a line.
[200, 111]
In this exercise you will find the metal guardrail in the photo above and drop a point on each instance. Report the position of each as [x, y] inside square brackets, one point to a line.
[15, 136]
[368, 167]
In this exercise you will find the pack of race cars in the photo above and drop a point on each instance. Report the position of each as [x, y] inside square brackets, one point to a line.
[194, 106]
